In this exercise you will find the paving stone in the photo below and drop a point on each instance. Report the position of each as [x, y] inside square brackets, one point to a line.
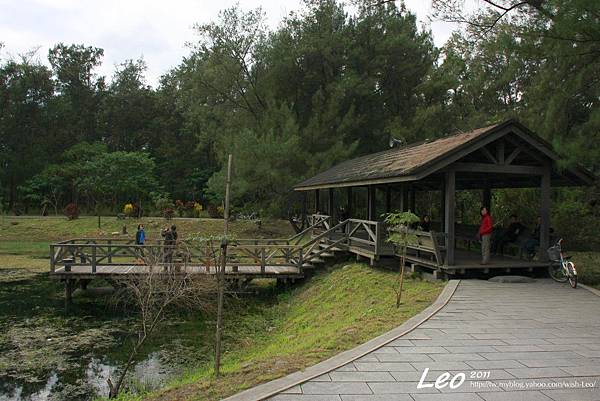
[499, 364]
[335, 388]
[528, 373]
[399, 388]
[401, 343]
[556, 362]
[496, 374]
[322, 378]
[591, 370]
[403, 357]
[346, 368]
[384, 366]
[368, 358]
[526, 341]
[573, 395]
[378, 397]
[588, 353]
[361, 376]
[470, 349]
[447, 397]
[293, 390]
[457, 357]
[444, 365]
[422, 350]
[385, 350]
[520, 348]
[515, 396]
[494, 356]
[305, 397]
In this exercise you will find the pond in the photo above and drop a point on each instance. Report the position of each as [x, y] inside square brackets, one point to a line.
[47, 354]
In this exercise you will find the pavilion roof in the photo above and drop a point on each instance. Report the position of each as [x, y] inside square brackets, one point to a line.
[412, 162]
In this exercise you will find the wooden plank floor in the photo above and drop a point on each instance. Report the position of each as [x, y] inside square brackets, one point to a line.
[85, 272]
[472, 260]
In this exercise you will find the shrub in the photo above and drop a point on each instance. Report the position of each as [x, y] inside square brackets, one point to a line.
[180, 206]
[197, 210]
[162, 202]
[214, 212]
[128, 209]
[71, 211]
[168, 213]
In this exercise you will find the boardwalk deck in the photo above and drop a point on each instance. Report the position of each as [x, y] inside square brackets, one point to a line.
[84, 272]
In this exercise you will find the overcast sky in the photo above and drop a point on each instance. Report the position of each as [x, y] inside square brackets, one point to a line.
[129, 29]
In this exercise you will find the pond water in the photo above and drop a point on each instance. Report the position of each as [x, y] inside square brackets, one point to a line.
[47, 354]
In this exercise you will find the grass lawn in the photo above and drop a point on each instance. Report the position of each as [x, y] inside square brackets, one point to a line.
[332, 312]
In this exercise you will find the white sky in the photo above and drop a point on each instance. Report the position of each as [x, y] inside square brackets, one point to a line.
[129, 29]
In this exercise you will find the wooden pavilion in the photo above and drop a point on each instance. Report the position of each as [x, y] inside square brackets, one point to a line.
[504, 155]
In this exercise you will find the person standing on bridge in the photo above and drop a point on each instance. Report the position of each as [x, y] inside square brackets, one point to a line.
[485, 234]
[140, 239]
[170, 236]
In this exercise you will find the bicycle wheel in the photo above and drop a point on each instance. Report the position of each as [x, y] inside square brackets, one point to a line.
[557, 273]
[572, 275]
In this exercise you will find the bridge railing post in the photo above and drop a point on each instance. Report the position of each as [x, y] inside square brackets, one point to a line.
[109, 251]
[93, 258]
[377, 237]
[52, 259]
[263, 261]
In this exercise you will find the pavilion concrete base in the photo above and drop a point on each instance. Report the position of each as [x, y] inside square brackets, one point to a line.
[468, 264]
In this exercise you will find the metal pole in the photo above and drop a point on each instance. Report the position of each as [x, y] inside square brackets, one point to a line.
[221, 273]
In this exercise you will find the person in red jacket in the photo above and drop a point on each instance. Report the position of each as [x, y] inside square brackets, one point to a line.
[485, 233]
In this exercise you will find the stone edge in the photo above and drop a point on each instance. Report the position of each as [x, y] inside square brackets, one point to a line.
[590, 289]
[276, 386]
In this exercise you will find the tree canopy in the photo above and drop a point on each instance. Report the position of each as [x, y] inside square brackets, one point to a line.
[326, 85]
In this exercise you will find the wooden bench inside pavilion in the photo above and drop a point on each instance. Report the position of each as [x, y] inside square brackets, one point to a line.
[504, 155]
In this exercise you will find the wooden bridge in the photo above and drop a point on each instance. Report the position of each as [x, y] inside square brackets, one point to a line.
[78, 261]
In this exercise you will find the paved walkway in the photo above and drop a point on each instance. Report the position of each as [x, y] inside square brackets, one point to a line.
[527, 341]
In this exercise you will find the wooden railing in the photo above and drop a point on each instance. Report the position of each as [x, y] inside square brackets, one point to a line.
[123, 252]
[323, 237]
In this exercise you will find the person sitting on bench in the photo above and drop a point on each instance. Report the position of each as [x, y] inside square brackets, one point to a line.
[509, 235]
[533, 242]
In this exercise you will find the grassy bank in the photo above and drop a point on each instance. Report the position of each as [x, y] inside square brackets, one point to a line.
[332, 312]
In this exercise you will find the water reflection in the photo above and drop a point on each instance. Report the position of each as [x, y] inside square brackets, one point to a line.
[146, 375]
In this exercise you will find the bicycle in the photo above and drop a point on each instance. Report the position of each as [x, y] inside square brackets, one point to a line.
[561, 268]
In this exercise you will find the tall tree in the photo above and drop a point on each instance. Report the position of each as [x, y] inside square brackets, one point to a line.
[25, 90]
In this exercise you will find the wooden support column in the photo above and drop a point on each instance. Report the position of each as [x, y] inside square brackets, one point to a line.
[371, 203]
[545, 214]
[388, 199]
[443, 202]
[317, 201]
[487, 198]
[349, 195]
[450, 192]
[411, 203]
[403, 198]
[330, 205]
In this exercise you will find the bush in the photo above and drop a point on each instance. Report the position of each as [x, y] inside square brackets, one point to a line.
[128, 209]
[168, 213]
[162, 202]
[180, 206]
[215, 212]
[71, 211]
[197, 209]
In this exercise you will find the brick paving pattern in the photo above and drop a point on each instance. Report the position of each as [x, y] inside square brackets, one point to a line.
[531, 341]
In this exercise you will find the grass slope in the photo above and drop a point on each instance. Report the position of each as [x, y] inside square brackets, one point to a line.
[332, 312]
